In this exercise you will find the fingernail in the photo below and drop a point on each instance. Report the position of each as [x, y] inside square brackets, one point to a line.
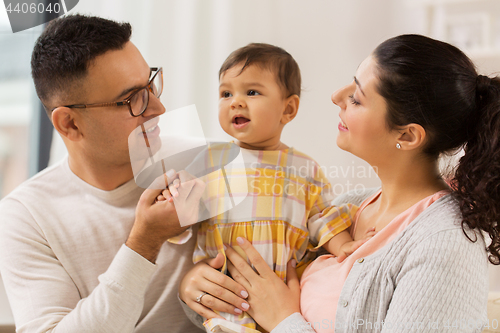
[244, 294]
[245, 306]
[238, 311]
[240, 240]
[225, 247]
[170, 173]
[294, 263]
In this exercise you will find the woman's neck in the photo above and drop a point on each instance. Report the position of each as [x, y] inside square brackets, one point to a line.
[405, 185]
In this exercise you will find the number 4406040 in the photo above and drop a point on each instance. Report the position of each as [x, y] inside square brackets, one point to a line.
[34, 8]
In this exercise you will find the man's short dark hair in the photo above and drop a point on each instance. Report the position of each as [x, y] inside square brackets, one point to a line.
[65, 49]
[270, 57]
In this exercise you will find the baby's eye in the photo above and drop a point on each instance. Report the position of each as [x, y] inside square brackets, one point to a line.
[354, 101]
[226, 94]
[253, 93]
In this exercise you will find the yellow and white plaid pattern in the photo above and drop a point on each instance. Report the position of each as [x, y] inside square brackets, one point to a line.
[285, 212]
[284, 209]
[218, 325]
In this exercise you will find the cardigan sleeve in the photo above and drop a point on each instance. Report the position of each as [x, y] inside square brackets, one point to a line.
[294, 323]
[442, 287]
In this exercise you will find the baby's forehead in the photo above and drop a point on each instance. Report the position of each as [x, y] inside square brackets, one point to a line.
[253, 67]
[255, 73]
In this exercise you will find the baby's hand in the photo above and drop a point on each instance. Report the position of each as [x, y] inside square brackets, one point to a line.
[370, 233]
[169, 192]
[349, 247]
[164, 196]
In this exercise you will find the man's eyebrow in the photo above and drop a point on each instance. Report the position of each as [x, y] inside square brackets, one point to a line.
[127, 91]
[359, 86]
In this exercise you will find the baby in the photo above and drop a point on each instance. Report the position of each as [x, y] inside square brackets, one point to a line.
[287, 212]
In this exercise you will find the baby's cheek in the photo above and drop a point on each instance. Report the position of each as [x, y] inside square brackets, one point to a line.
[222, 114]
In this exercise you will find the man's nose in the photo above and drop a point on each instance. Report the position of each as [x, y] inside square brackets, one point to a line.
[155, 106]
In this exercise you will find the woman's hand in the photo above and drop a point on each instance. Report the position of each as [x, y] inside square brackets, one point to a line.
[271, 300]
[222, 293]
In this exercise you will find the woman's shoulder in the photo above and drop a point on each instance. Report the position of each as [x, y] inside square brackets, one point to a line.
[442, 214]
[440, 225]
[355, 197]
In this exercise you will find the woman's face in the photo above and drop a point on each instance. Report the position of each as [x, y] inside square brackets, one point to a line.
[363, 129]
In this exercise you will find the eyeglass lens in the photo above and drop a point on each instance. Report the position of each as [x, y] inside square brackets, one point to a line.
[139, 101]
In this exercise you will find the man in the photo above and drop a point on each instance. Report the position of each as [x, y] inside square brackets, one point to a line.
[82, 247]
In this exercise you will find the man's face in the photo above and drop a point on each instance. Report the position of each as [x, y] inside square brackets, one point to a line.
[113, 77]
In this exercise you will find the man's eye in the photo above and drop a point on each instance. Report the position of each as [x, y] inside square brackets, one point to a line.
[253, 93]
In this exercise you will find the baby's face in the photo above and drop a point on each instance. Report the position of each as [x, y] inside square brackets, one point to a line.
[251, 106]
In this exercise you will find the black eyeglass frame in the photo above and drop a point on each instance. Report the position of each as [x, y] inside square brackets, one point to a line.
[127, 101]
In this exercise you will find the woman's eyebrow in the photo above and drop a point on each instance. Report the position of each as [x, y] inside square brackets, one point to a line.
[359, 86]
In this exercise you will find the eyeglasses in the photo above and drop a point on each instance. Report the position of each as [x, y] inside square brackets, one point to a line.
[137, 102]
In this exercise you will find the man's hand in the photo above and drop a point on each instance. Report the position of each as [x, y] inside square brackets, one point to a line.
[156, 221]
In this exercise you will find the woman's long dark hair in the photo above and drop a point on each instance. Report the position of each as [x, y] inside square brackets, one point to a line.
[435, 85]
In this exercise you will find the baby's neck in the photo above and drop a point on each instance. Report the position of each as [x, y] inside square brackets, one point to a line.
[277, 146]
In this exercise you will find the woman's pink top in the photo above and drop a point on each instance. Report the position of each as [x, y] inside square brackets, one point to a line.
[322, 281]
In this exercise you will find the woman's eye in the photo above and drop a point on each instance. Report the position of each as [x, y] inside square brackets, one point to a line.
[353, 100]
[253, 93]
[226, 94]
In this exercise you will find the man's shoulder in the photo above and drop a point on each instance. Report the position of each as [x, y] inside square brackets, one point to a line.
[46, 182]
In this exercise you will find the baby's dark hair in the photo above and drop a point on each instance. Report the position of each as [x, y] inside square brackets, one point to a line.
[435, 85]
[65, 49]
[270, 57]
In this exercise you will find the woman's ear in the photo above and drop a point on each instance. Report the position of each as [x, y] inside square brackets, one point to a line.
[411, 136]
[291, 108]
[65, 122]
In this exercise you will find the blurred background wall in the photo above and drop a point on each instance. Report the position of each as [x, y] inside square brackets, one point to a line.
[191, 39]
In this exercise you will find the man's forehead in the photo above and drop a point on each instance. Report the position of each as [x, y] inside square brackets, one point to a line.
[117, 71]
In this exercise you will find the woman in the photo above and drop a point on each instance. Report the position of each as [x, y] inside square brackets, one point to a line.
[412, 99]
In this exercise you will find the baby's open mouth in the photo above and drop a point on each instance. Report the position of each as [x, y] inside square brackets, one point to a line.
[240, 120]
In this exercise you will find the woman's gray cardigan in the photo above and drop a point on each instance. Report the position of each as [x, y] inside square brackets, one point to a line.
[430, 278]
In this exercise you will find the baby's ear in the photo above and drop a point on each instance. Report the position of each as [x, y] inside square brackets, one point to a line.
[291, 108]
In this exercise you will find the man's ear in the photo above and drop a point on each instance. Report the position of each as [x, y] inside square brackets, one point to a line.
[66, 122]
[411, 136]
[291, 108]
